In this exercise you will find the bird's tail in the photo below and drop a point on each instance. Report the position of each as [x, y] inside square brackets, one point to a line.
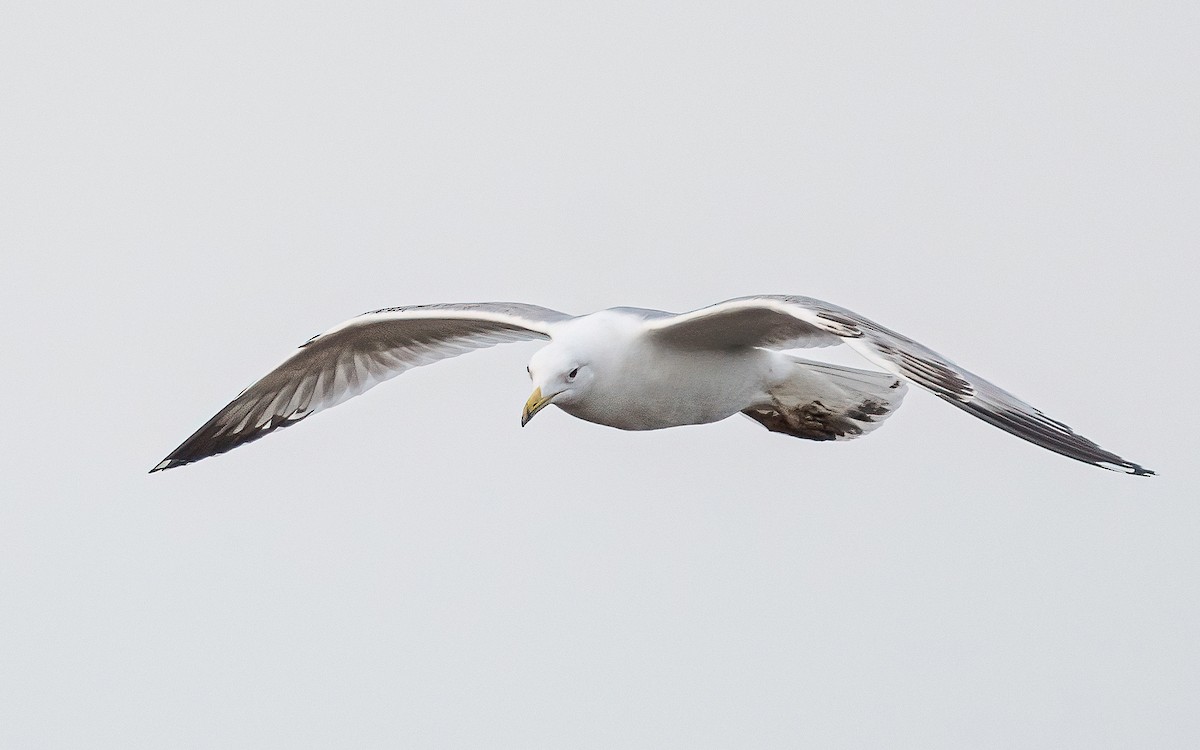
[820, 401]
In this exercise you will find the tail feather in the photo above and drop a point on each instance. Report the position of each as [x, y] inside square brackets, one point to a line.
[820, 401]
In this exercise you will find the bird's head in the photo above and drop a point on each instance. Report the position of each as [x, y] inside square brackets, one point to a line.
[560, 376]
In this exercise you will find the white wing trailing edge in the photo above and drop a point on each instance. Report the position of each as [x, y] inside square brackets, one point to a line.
[783, 322]
[354, 357]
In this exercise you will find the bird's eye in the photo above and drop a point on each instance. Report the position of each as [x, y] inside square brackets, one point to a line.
[571, 375]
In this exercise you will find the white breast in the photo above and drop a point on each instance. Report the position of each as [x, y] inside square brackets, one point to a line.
[641, 386]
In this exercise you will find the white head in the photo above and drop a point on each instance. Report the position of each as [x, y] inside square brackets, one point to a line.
[581, 361]
[561, 375]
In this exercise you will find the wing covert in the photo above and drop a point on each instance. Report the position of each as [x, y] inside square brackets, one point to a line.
[746, 321]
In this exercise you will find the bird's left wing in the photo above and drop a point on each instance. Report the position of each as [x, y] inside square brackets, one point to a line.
[782, 321]
[355, 356]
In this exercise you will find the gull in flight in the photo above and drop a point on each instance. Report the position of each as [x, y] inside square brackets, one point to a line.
[637, 369]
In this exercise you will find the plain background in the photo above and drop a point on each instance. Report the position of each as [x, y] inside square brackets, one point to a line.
[187, 191]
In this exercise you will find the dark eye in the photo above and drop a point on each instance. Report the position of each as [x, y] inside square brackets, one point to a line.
[571, 375]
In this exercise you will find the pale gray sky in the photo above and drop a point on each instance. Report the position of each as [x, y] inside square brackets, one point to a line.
[189, 191]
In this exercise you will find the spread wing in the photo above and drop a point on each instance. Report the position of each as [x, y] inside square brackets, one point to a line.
[779, 321]
[355, 356]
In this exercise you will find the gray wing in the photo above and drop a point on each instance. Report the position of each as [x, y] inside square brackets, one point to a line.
[355, 356]
[772, 320]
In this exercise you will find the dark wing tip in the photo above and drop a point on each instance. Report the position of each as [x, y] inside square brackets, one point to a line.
[214, 439]
[1134, 469]
[168, 463]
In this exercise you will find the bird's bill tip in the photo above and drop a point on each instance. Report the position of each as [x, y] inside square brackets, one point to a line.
[536, 403]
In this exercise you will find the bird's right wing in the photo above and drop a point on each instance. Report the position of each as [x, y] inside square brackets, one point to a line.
[355, 356]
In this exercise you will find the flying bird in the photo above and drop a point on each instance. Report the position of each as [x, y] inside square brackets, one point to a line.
[637, 369]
